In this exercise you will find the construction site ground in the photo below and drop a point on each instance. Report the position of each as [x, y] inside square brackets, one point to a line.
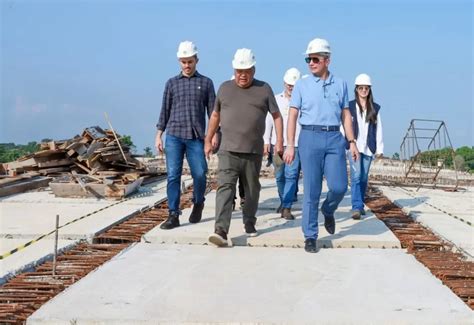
[175, 277]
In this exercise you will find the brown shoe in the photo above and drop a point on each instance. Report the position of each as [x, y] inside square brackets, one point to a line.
[286, 214]
[219, 238]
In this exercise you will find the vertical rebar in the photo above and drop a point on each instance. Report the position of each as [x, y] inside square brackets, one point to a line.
[55, 245]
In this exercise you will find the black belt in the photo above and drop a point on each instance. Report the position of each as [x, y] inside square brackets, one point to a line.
[327, 128]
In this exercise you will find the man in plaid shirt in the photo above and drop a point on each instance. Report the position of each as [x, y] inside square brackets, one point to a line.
[187, 98]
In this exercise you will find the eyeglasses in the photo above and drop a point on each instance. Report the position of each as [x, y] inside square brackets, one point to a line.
[315, 60]
[363, 88]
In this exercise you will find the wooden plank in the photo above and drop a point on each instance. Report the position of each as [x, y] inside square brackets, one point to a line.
[20, 164]
[55, 163]
[54, 170]
[27, 185]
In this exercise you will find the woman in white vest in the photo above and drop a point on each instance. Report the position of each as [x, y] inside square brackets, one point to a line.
[367, 126]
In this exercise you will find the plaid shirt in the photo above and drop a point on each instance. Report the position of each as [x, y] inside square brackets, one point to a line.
[185, 101]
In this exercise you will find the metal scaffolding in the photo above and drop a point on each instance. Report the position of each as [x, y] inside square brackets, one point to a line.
[425, 150]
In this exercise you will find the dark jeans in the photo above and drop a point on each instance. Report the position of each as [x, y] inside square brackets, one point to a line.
[232, 166]
[175, 150]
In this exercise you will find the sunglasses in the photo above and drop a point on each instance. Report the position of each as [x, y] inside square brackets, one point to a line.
[315, 60]
[363, 87]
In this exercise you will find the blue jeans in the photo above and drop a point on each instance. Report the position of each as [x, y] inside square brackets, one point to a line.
[175, 149]
[321, 153]
[287, 181]
[359, 180]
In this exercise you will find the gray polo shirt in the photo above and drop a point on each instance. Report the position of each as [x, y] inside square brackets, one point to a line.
[243, 113]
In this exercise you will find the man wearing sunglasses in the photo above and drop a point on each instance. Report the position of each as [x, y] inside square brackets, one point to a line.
[320, 103]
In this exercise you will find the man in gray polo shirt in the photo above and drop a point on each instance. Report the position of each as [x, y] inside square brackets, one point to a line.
[240, 109]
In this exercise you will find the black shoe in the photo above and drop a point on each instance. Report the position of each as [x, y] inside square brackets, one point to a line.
[286, 214]
[196, 214]
[219, 238]
[250, 229]
[329, 223]
[171, 222]
[278, 210]
[362, 212]
[356, 214]
[310, 245]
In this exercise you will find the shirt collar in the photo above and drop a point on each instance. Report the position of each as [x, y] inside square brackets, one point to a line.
[328, 81]
[181, 75]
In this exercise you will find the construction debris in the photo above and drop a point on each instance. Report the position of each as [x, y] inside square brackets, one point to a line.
[92, 164]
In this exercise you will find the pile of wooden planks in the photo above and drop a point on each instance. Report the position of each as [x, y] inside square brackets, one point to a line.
[95, 163]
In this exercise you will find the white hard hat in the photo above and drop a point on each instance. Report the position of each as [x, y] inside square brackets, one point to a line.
[318, 45]
[291, 76]
[186, 49]
[243, 59]
[363, 79]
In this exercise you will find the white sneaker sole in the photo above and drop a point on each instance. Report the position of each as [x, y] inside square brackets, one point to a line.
[254, 234]
[218, 240]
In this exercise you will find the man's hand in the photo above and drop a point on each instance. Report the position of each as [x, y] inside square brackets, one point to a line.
[278, 149]
[207, 148]
[378, 156]
[289, 155]
[354, 151]
[215, 141]
[158, 143]
[266, 149]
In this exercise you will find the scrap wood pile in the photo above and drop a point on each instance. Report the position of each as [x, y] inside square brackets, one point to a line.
[96, 163]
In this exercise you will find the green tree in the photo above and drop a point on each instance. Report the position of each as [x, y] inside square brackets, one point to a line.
[148, 152]
[396, 156]
[127, 140]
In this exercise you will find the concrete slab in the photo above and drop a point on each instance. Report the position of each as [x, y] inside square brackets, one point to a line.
[424, 207]
[29, 215]
[160, 284]
[27, 257]
[275, 231]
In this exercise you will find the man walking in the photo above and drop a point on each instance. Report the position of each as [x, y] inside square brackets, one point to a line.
[240, 110]
[286, 175]
[186, 100]
[321, 102]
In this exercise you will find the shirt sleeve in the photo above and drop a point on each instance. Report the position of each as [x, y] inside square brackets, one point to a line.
[211, 98]
[165, 107]
[379, 136]
[345, 96]
[267, 136]
[272, 104]
[217, 102]
[296, 96]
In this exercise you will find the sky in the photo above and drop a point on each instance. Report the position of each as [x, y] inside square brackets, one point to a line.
[64, 63]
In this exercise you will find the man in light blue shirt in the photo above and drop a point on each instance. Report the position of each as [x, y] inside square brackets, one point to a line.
[322, 104]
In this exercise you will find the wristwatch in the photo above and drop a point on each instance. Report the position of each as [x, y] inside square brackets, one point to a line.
[352, 141]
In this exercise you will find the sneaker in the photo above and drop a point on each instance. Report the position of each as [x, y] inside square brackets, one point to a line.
[171, 222]
[250, 229]
[219, 238]
[286, 214]
[196, 214]
[310, 245]
[329, 223]
[356, 214]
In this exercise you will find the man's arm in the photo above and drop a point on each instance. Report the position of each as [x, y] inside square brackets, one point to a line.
[290, 136]
[267, 136]
[347, 123]
[164, 116]
[214, 122]
[278, 122]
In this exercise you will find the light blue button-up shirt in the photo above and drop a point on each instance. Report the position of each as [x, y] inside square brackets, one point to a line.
[320, 102]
